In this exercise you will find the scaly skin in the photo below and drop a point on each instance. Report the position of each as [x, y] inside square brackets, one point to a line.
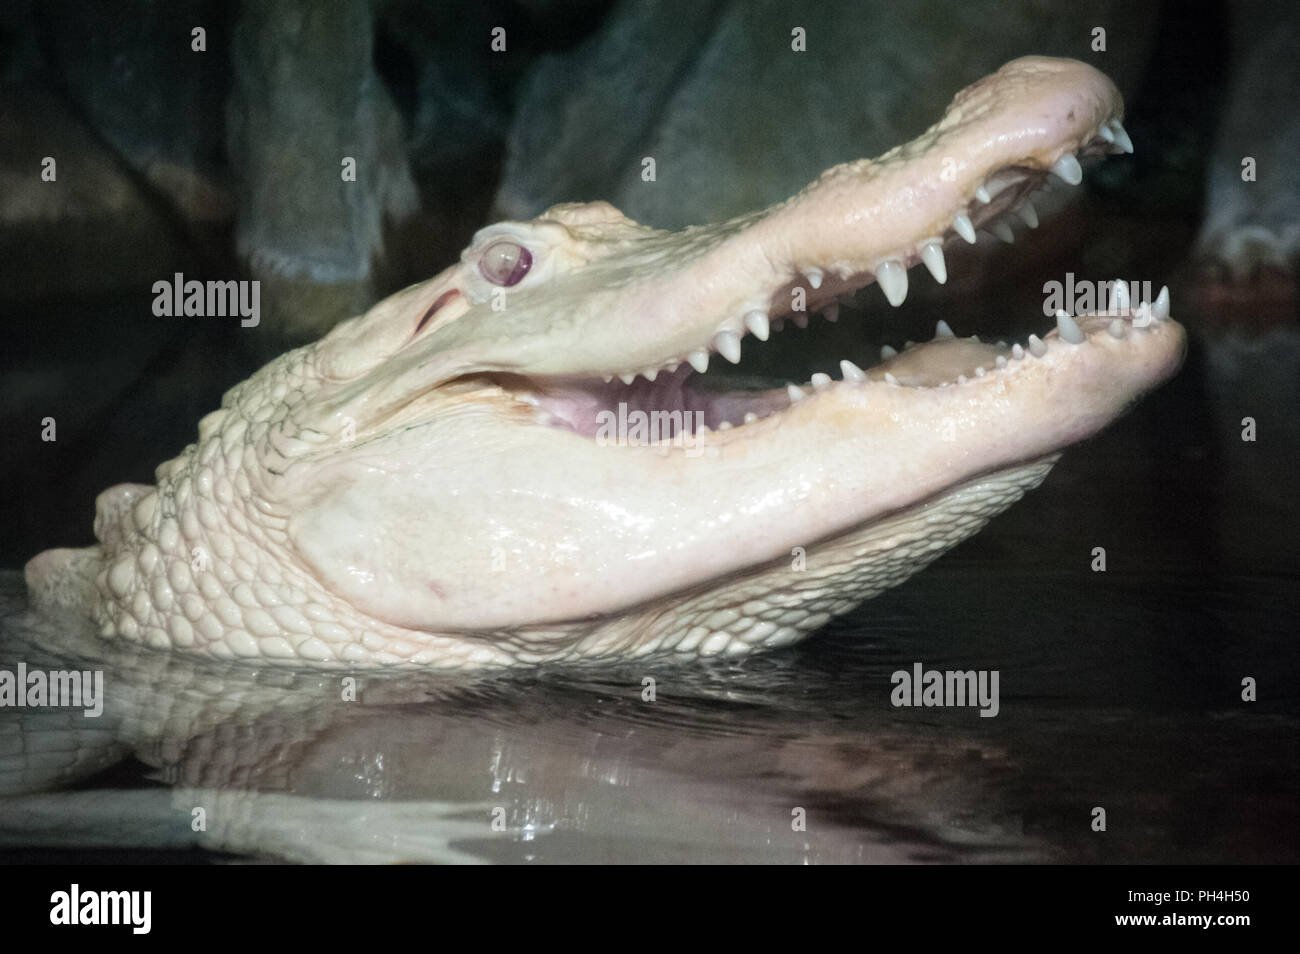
[424, 486]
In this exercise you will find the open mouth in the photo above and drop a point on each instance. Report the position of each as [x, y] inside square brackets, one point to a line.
[692, 401]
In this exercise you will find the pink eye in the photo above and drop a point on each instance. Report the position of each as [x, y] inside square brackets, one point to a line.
[505, 263]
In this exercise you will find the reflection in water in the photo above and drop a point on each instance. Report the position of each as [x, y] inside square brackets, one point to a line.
[1127, 700]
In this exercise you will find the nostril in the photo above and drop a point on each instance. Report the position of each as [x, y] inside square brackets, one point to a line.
[438, 303]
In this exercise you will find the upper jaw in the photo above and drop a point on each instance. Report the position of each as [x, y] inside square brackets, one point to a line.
[872, 221]
[696, 296]
[659, 303]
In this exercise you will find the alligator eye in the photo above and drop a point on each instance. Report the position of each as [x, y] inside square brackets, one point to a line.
[505, 263]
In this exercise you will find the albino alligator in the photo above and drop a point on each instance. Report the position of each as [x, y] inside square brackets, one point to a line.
[425, 486]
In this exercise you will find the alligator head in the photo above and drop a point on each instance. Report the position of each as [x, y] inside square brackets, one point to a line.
[441, 481]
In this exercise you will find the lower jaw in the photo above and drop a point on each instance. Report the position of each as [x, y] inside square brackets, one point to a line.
[758, 607]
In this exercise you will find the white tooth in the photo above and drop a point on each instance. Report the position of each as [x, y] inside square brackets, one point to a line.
[699, 360]
[983, 195]
[800, 318]
[1068, 170]
[1141, 318]
[608, 377]
[1117, 328]
[820, 380]
[941, 330]
[758, 325]
[1002, 231]
[851, 372]
[1160, 307]
[1036, 346]
[814, 276]
[1069, 328]
[1121, 137]
[890, 379]
[1119, 294]
[886, 352]
[932, 255]
[702, 430]
[724, 425]
[962, 379]
[1017, 352]
[627, 378]
[751, 417]
[908, 344]
[1000, 361]
[1028, 214]
[891, 276]
[1104, 132]
[795, 392]
[651, 373]
[964, 228]
[980, 372]
[727, 344]
[672, 366]
[832, 311]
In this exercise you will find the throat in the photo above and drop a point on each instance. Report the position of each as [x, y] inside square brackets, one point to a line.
[676, 404]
